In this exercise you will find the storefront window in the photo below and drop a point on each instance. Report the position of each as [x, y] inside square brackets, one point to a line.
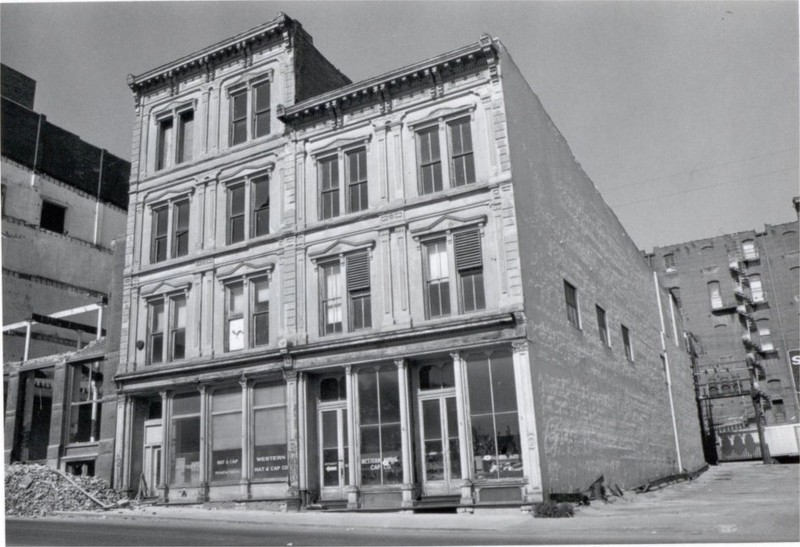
[493, 414]
[269, 419]
[379, 414]
[185, 439]
[85, 403]
[226, 434]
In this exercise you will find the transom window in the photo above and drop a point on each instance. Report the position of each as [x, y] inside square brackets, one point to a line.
[249, 112]
[248, 209]
[459, 170]
[170, 231]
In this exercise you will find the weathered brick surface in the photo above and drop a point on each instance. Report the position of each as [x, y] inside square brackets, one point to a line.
[597, 412]
[17, 86]
[314, 74]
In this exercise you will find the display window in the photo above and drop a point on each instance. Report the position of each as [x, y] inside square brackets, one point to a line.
[379, 427]
[269, 422]
[185, 440]
[226, 434]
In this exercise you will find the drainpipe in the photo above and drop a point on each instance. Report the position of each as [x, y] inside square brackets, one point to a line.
[27, 340]
[665, 358]
[97, 197]
[36, 149]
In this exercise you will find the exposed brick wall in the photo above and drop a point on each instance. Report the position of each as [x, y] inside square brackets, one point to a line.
[314, 74]
[597, 412]
[17, 86]
[62, 155]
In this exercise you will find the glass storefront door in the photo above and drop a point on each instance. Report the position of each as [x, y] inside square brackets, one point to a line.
[439, 441]
[333, 445]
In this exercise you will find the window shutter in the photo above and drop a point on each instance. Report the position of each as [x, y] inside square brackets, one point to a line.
[468, 250]
[358, 271]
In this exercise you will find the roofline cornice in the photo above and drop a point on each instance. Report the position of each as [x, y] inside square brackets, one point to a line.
[206, 56]
[486, 48]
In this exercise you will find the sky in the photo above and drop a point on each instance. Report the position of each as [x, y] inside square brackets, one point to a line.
[684, 114]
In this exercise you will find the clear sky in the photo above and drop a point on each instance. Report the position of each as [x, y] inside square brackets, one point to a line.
[685, 114]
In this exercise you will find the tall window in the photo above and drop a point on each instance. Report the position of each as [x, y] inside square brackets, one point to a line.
[462, 163]
[626, 342]
[469, 265]
[430, 162]
[248, 209]
[749, 251]
[715, 295]
[669, 262]
[331, 297]
[571, 298]
[172, 148]
[249, 112]
[602, 326]
[493, 416]
[460, 167]
[167, 329]
[328, 173]
[756, 289]
[358, 291]
[86, 397]
[356, 163]
[172, 242]
[379, 423]
[226, 434]
[185, 440]
[269, 425]
[437, 278]
[247, 313]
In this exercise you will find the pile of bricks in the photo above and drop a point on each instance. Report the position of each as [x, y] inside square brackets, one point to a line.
[35, 491]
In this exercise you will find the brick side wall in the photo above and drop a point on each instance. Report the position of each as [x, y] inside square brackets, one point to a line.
[17, 86]
[313, 72]
[597, 412]
[61, 154]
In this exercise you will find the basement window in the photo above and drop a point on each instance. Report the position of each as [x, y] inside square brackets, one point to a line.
[53, 217]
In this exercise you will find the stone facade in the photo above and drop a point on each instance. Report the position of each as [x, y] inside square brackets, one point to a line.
[364, 305]
[739, 297]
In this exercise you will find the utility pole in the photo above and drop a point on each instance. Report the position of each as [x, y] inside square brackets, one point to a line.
[753, 367]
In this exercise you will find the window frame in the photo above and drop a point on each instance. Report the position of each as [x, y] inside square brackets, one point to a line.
[602, 326]
[95, 401]
[249, 312]
[214, 413]
[250, 213]
[669, 262]
[251, 115]
[348, 291]
[445, 165]
[340, 187]
[45, 225]
[176, 239]
[170, 329]
[572, 303]
[267, 407]
[627, 342]
[177, 149]
[715, 295]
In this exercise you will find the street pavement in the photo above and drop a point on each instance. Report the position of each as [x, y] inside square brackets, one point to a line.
[731, 503]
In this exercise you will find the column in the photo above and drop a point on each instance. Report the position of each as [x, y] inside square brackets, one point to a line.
[293, 491]
[460, 372]
[11, 415]
[527, 419]
[122, 475]
[57, 416]
[352, 479]
[202, 494]
[406, 430]
[247, 466]
[386, 277]
[166, 472]
[302, 436]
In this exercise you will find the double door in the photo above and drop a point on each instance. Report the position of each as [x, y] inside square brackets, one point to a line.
[440, 445]
[333, 443]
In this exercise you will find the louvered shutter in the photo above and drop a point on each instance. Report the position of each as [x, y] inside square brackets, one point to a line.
[358, 271]
[468, 250]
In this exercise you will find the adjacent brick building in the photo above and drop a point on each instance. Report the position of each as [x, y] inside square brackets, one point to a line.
[739, 298]
[393, 293]
[63, 205]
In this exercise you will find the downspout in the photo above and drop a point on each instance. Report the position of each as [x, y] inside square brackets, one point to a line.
[666, 371]
[97, 198]
[36, 149]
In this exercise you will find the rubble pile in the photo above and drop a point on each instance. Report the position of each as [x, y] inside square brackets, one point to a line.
[35, 490]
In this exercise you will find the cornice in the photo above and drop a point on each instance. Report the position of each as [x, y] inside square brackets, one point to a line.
[380, 88]
[205, 59]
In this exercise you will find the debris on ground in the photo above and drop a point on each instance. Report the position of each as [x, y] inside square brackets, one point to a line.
[34, 490]
[553, 510]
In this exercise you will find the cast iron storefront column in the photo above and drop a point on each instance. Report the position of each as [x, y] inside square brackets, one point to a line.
[352, 489]
[405, 433]
[527, 418]
[463, 433]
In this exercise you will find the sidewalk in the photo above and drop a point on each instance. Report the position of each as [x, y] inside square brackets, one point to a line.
[730, 503]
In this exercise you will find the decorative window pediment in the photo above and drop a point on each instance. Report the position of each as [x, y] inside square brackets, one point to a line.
[182, 283]
[180, 191]
[262, 166]
[443, 113]
[340, 144]
[444, 223]
[339, 247]
[245, 268]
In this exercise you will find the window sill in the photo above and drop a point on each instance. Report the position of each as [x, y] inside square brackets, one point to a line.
[87, 444]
